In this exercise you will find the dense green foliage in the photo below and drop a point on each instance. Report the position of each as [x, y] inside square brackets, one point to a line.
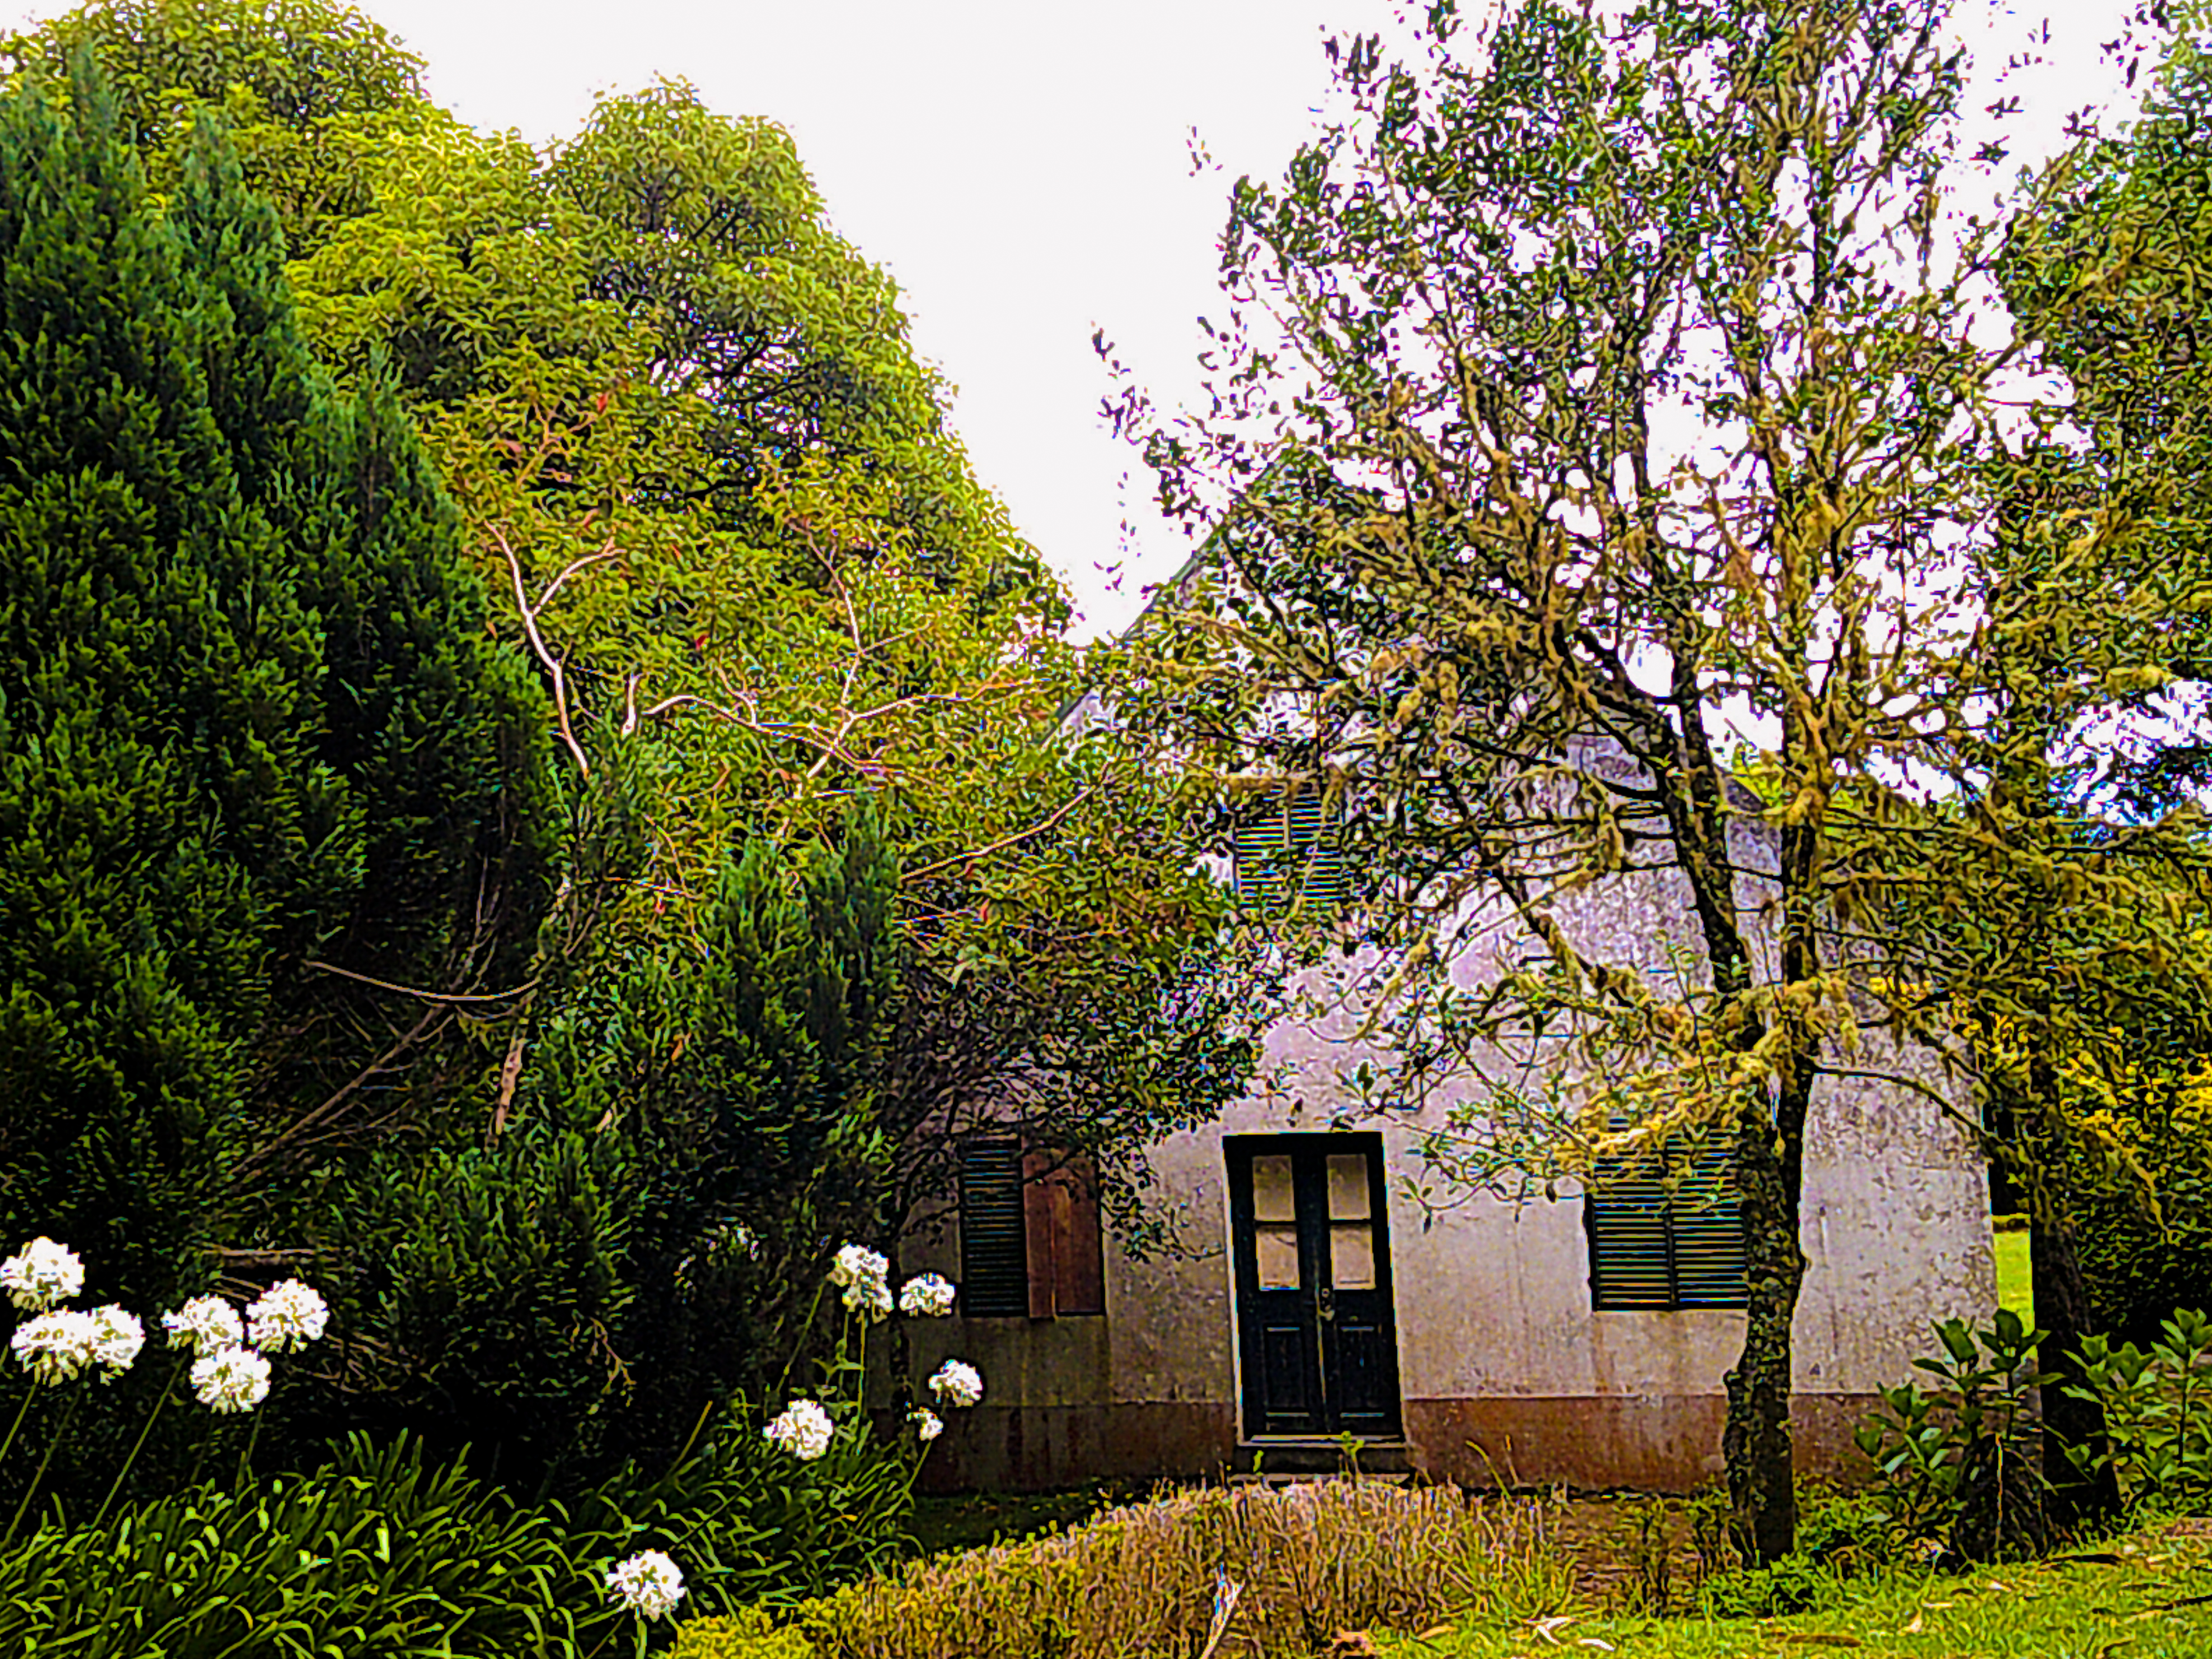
[1960, 1465]
[560, 1122]
[254, 747]
[376, 1552]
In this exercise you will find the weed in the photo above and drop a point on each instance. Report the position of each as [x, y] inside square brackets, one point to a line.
[1266, 1571]
[1648, 1545]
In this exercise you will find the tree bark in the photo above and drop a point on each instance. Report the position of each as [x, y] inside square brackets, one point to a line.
[1756, 1442]
[2062, 1307]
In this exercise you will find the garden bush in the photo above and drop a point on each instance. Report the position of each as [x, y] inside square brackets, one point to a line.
[376, 1553]
[1272, 1571]
[2158, 1413]
[1961, 1467]
[1841, 1537]
[748, 1633]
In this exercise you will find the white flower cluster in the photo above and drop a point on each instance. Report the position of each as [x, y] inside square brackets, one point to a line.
[649, 1585]
[927, 1423]
[230, 1367]
[55, 1347]
[804, 1430]
[206, 1325]
[59, 1344]
[231, 1379]
[866, 1277]
[957, 1383]
[928, 1297]
[43, 1274]
[117, 1337]
[287, 1315]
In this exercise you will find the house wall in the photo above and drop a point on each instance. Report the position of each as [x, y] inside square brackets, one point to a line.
[1505, 1368]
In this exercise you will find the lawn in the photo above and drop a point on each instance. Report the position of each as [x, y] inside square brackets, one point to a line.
[2148, 1597]
[2015, 1285]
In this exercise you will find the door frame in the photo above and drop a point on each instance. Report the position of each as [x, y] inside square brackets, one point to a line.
[1317, 1300]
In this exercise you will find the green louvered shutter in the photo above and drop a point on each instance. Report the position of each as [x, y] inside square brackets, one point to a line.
[1653, 1249]
[1288, 863]
[1631, 1265]
[1707, 1220]
[995, 1262]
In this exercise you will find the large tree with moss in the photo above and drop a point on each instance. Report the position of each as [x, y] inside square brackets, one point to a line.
[1605, 385]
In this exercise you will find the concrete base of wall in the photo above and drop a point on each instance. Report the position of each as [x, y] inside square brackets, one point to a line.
[1641, 1443]
[1655, 1443]
[1044, 1448]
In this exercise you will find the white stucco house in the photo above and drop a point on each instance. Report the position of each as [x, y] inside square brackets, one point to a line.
[1581, 1340]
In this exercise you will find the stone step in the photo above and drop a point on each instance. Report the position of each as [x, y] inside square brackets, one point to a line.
[1277, 1460]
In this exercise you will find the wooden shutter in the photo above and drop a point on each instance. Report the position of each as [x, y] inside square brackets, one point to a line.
[1066, 1252]
[1289, 863]
[1707, 1219]
[994, 1269]
[1653, 1249]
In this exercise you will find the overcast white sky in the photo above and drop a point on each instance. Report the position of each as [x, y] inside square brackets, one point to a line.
[1022, 168]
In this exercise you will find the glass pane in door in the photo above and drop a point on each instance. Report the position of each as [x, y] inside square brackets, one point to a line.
[1351, 1255]
[1278, 1253]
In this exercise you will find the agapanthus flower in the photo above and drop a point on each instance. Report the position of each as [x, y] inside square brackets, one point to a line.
[55, 1347]
[929, 1296]
[289, 1316]
[648, 1585]
[866, 1277]
[804, 1430]
[957, 1383]
[206, 1325]
[231, 1379]
[43, 1274]
[871, 1296]
[858, 1261]
[117, 1338]
[927, 1423]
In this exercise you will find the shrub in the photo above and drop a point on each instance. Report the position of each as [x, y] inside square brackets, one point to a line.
[2157, 1412]
[747, 1634]
[820, 1497]
[1276, 1571]
[752, 1524]
[1796, 1583]
[1961, 1467]
[1841, 1536]
[374, 1554]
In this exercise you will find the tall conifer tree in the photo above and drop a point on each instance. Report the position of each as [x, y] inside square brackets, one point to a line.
[249, 721]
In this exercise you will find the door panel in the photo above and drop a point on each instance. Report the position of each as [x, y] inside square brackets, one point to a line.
[1312, 1263]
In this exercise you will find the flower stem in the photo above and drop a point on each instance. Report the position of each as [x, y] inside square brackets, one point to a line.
[38, 1478]
[21, 1411]
[784, 1381]
[144, 1428]
[703, 1413]
[253, 1439]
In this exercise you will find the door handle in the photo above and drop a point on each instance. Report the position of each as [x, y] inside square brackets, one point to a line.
[1327, 1298]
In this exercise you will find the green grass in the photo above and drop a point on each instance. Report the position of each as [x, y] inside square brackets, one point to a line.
[2015, 1285]
[2145, 1597]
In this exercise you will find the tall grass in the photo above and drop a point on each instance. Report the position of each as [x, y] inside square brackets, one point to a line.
[1149, 1580]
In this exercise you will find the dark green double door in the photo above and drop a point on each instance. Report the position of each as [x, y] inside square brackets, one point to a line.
[1311, 1241]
